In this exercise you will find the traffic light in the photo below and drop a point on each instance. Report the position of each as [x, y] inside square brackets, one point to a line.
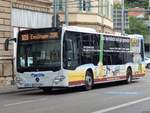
[58, 22]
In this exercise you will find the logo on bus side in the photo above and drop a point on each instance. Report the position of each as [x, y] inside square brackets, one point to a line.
[37, 75]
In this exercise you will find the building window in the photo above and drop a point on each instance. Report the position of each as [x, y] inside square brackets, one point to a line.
[100, 7]
[111, 15]
[149, 28]
[106, 8]
[107, 5]
[85, 5]
[60, 5]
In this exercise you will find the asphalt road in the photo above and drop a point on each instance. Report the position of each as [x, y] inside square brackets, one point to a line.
[105, 98]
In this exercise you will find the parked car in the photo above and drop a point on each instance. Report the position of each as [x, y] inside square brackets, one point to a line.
[147, 62]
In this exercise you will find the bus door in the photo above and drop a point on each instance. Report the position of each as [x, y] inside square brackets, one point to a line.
[138, 55]
[71, 53]
[107, 61]
[71, 56]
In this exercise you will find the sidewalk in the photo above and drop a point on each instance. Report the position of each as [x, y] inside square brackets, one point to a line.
[10, 89]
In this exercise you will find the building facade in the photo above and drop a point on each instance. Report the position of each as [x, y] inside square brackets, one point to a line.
[117, 20]
[117, 1]
[95, 14]
[5, 32]
[137, 12]
[18, 15]
[147, 39]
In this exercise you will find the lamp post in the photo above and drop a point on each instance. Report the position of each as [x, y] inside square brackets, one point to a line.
[54, 12]
[122, 17]
[66, 12]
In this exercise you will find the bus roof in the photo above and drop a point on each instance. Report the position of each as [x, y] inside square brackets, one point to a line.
[136, 36]
[89, 30]
[84, 30]
[79, 29]
[123, 36]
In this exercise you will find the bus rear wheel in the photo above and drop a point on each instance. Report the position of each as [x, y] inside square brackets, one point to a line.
[88, 81]
[129, 76]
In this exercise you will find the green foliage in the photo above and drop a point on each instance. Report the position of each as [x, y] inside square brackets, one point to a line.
[137, 26]
[117, 6]
[136, 3]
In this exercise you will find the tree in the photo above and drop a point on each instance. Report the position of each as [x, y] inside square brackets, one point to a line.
[136, 3]
[137, 26]
[117, 6]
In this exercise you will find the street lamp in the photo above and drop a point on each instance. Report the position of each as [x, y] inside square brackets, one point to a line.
[122, 17]
[54, 14]
[66, 12]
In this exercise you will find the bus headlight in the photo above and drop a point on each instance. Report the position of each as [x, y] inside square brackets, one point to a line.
[19, 80]
[59, 79]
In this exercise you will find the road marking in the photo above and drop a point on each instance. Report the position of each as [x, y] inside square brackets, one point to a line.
[122, 105]
[25, 102]
[123, 93]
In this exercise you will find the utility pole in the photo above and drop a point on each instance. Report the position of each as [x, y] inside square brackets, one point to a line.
[66, 13]
[54, 12]
[122, 19]
[149, 13]
[102, 11]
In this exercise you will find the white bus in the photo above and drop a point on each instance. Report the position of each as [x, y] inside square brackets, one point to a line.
[73, 56]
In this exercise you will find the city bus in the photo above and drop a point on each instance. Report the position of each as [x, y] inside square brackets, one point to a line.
[73, 56]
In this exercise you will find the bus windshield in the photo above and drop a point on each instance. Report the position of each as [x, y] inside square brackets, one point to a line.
[41, 55]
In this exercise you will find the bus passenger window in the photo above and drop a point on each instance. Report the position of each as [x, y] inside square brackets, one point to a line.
[107, 60]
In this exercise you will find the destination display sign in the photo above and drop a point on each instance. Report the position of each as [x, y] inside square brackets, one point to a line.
[38, 36]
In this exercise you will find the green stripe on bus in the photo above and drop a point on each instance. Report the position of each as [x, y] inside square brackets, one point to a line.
[101, 48]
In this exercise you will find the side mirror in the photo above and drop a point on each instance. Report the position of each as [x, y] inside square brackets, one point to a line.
[7, 42]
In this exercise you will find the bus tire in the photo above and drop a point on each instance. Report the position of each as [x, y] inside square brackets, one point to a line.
[129, 76]
[148, 66]
[88, 81]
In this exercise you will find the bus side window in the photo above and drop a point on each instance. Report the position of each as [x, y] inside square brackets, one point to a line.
[142, 49]
[96, 41]
[89, 48]
[107, 60]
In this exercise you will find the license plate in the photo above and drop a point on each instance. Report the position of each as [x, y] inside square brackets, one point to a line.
[27, 85]
[37, 84]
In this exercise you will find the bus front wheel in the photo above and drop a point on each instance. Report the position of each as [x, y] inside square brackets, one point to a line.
[88, 81]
